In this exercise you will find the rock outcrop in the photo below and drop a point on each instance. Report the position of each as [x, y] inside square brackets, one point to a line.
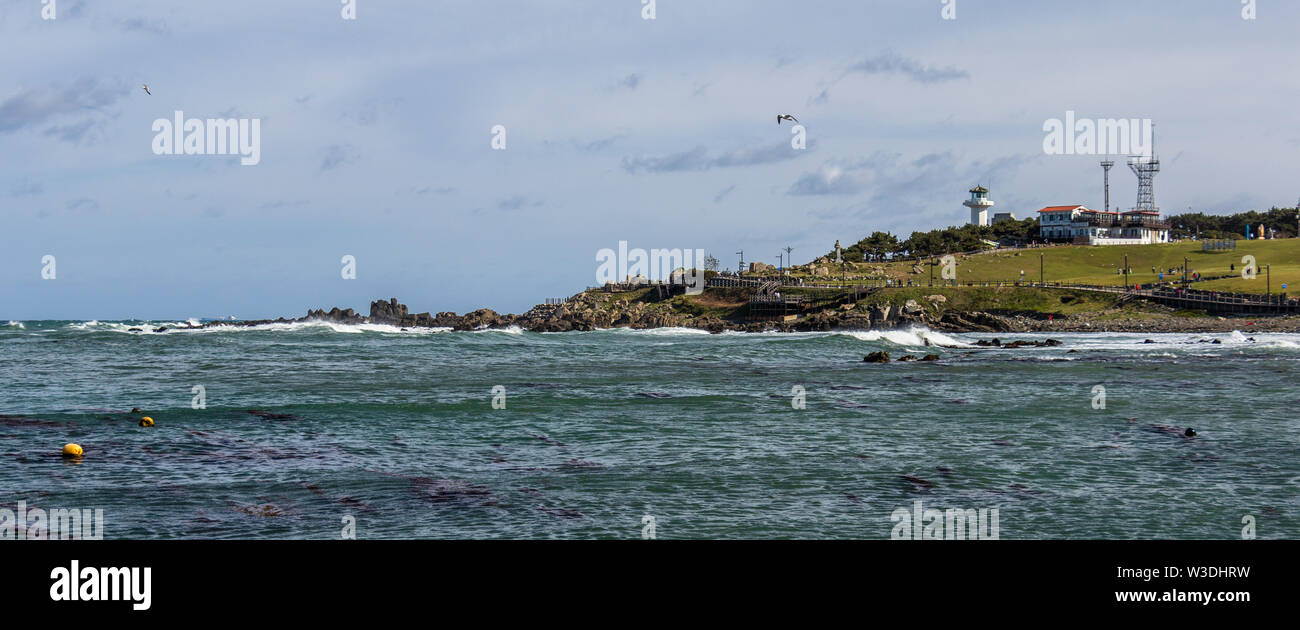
[389, 312]
[598, 310]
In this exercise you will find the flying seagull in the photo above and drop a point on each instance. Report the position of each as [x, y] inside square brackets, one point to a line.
[780, 117]
[146, 89]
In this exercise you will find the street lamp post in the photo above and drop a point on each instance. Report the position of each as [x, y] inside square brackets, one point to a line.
[1040, 269]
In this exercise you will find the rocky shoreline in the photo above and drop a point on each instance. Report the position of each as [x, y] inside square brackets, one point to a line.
[585, 312]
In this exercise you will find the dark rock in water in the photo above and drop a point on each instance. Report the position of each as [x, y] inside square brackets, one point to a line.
[876, 357]
[136, 410]
[1046, 343]
[989, 343]
[1148, 341]
[905, 358]
[1217, 341]
[135, 330]
[336, 314]
[930, 357]
[1070, 351]
[162, 329]
[389, 312]
[482, 318]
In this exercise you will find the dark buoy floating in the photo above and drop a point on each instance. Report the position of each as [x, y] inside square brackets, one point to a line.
[1190, 432]
[136, 410]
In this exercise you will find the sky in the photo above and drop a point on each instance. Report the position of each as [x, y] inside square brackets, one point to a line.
[376, 137]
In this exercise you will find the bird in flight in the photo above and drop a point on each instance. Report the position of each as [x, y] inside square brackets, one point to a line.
[146, 89]
[781, 117]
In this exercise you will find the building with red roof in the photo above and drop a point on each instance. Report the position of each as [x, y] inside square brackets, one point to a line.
[1083, 225]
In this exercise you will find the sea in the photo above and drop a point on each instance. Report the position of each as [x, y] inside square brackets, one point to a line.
[328, 431]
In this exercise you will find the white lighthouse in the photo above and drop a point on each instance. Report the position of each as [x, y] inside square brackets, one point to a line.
[979, 204]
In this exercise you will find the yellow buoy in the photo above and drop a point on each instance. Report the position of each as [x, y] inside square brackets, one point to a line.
[146, 421]
[72, 450]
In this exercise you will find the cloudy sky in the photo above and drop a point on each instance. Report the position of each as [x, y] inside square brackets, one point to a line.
[376, 136]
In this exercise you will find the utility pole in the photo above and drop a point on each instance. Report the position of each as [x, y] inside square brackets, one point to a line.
[780, 261]
[1184, 272]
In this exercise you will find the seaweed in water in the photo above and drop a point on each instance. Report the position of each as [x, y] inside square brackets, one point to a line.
[267, 415]
[917, 482]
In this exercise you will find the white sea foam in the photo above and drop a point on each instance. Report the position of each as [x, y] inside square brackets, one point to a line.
[672, 331]
[1164, 342]
[352, 329]
[510, 330]
[16, 324]
[912, 337]
[191, 326]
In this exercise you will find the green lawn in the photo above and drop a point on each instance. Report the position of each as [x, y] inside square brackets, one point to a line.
[1098, 265]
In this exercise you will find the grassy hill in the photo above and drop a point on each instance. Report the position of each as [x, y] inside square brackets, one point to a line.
[1098, 265]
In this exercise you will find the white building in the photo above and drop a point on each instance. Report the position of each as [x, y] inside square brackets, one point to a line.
[1079, 224]
[979, 204]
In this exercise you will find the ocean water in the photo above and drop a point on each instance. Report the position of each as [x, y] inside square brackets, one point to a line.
[397, 431]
